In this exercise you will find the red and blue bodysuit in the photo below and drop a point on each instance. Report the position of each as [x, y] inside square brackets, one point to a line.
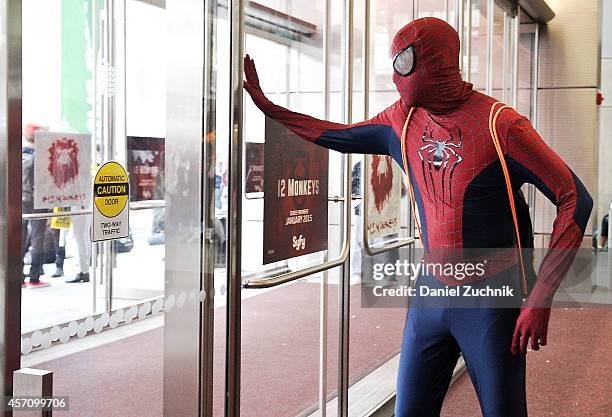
[460, 194]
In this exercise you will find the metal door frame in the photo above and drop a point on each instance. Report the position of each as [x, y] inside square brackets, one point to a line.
[187, 330]
[10, 189]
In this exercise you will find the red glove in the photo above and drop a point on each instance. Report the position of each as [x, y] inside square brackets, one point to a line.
[531, 323]
[251, 83]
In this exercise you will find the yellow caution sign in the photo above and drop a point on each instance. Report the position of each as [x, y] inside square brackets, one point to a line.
[111, 192]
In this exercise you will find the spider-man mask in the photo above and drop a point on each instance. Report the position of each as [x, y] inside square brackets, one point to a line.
[426, 72]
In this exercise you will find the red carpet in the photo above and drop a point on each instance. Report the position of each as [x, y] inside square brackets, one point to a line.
[280, 331]
[280, 358]
[568, 378]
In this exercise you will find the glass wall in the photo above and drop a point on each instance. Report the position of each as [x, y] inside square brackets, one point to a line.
[68, 79]
[115, 90]
[138, 274]
[94, 91]
[58, 96]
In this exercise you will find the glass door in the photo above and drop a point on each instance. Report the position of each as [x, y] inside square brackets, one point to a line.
[103, 80]
[289, 316]
[98, 314]
[300, 313]
[138, 262]
[58, 97]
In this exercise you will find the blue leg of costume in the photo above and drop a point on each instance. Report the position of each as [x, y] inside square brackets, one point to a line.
[428, 357]
[436, 331]
[485, 336]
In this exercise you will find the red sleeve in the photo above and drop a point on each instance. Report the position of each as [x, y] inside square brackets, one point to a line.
[370, 136]
[535, 162]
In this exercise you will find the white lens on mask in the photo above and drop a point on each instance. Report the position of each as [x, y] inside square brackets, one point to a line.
[403, 63]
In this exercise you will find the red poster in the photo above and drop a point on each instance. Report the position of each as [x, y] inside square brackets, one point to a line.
[146, 168]
[383, 183]
[254, 167]
[62, 175]
[295, 203]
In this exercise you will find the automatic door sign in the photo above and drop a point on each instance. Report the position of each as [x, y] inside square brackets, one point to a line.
[110, 209]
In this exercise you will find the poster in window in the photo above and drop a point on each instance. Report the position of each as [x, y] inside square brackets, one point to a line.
[62, 169]
[295, 203]
[146, 168]
[383, 183]
[254, 167]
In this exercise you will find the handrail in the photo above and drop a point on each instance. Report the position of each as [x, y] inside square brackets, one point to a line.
[334, 198]
[147, 204]
[393, 243]
[133, 206]
[50, 215]
[323, 287]
[267, 273]
[344, 302]
[300, 273]
[233, 338]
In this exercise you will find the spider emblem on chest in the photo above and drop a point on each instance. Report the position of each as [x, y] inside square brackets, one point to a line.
[442, 157]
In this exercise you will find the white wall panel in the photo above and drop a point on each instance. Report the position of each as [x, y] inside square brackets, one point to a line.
[568, 80]
[570, 45]
[605, 158]
[568, 122]
[606, 80]
[606, 29]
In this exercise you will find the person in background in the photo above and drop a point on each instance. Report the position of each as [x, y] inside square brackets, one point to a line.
[603, 233]
[59, 238]
[81, 231]
[218, 191]
[157, 231]
[37, 227]
[356, 249]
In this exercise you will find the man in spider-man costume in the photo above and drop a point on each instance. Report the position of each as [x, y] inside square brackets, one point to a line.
[460, 194]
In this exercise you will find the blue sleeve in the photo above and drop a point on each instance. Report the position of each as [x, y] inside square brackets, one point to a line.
[365, 139]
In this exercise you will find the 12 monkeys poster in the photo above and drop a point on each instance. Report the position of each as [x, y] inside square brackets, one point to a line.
[62, 170]
[295, 190]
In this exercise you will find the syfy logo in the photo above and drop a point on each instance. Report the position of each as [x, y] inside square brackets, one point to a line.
[299, 243]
